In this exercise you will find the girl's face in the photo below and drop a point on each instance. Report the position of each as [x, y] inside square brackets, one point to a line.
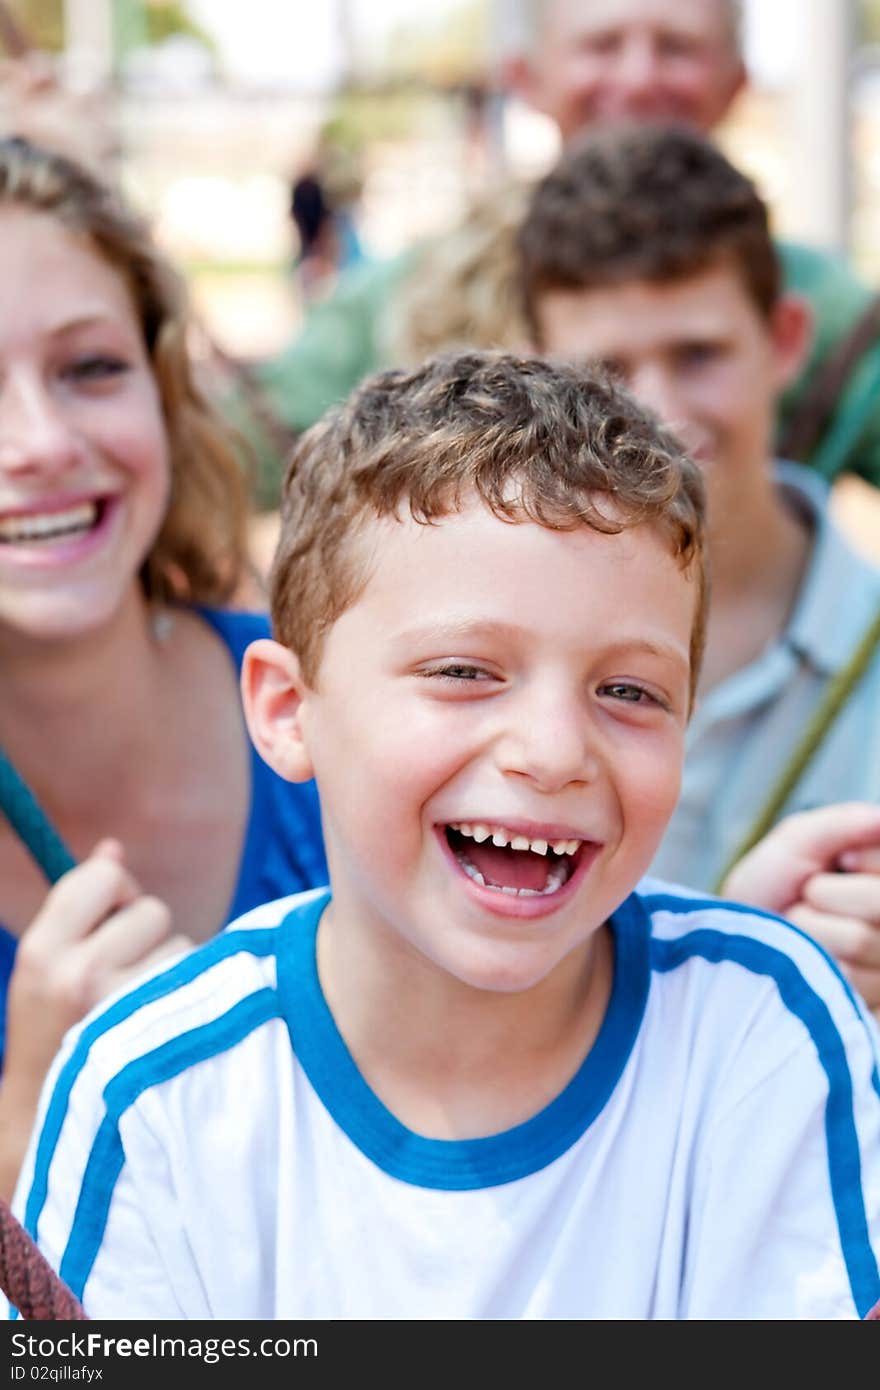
[84, 463]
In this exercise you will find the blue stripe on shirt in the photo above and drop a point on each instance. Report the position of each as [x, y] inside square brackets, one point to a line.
[107, 1156]
[668, 902]
[257, 941]
[844, 1155]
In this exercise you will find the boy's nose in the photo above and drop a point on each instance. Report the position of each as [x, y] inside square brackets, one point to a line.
[654, 386]
[34, 435]
[552, 745]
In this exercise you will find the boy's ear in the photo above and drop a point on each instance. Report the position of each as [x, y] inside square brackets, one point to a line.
[791, 326]
[272, 690]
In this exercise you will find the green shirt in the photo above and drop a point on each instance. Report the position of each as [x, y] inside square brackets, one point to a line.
[342, 337]
[851, 442]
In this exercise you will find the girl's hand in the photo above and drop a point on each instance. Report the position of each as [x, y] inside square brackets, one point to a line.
[95, 932]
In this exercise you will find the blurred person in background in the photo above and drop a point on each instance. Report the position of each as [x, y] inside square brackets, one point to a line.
[122, 541]
[646, 251]
[323, 206]
[582, 63]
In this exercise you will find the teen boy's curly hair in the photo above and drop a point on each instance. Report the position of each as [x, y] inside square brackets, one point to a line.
[533, 440]
[646, 203]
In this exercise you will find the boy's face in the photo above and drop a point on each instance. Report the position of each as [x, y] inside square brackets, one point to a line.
[699, 353]
[494, 681]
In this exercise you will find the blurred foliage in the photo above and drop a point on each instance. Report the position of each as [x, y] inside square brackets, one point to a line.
[421, 65]
[363, 115]
[42, 22]
[868, 20]
[448, 52]
[166, 17]
[135, 21]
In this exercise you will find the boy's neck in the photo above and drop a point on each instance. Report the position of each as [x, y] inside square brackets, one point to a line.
[759, 554]
[450, 1061]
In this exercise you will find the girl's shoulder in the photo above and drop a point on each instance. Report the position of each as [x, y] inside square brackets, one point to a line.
[236, 627]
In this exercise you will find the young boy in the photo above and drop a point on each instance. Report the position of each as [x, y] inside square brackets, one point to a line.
[645, 249]
[481, 1076]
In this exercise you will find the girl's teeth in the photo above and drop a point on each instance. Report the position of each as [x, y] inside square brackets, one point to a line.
[48, 525]
[480, 833]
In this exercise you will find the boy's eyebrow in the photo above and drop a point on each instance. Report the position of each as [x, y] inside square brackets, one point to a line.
[451, 630]
[477, 628]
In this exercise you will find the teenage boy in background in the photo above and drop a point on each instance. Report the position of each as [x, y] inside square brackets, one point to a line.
[646, 250]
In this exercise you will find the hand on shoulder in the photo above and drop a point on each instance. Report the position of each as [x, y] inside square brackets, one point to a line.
[95, 932]
[821, 870]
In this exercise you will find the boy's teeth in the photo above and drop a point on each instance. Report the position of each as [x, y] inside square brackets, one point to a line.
[556, 876]
[479, 832]
[44, 525]
[473, 873]
[565, 846]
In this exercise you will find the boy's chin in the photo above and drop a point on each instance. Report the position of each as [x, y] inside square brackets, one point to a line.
[510, 970]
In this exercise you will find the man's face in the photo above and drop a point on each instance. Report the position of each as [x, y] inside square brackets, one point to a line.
[697, 352]
[646, 60]
[497, 732]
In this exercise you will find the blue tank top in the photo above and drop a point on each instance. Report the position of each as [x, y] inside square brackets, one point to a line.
[283, 848]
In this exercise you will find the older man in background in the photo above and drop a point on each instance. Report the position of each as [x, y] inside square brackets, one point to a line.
[585, 62]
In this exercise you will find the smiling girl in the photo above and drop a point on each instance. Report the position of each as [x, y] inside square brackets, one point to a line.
[122, 534]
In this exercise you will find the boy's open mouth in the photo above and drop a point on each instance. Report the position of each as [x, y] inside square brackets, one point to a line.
[46, 528]
[501, 859]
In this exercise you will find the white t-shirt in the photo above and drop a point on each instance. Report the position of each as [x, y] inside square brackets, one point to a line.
[209, 1149]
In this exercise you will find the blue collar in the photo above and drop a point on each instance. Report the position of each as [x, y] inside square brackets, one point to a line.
[469, 1163]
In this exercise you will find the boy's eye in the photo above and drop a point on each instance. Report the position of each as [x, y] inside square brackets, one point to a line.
[632, 694]
[698, 354]
[457, 671]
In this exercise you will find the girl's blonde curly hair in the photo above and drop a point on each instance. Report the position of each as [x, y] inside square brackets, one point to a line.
[462, 290]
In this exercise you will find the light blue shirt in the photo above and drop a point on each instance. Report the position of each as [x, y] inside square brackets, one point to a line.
[745, 729]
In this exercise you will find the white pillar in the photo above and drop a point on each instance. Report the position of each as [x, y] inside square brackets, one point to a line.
[821, 185]
[88, 40]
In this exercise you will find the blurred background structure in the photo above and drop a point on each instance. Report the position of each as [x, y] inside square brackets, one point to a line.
[210, 110]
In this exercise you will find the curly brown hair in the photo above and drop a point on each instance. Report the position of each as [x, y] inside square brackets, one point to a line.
[534, 440]
[200, 553]
[647, 203]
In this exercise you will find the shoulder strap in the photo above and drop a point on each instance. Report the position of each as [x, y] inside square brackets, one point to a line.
[31, 824]
[813, 412]
[840, 686]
